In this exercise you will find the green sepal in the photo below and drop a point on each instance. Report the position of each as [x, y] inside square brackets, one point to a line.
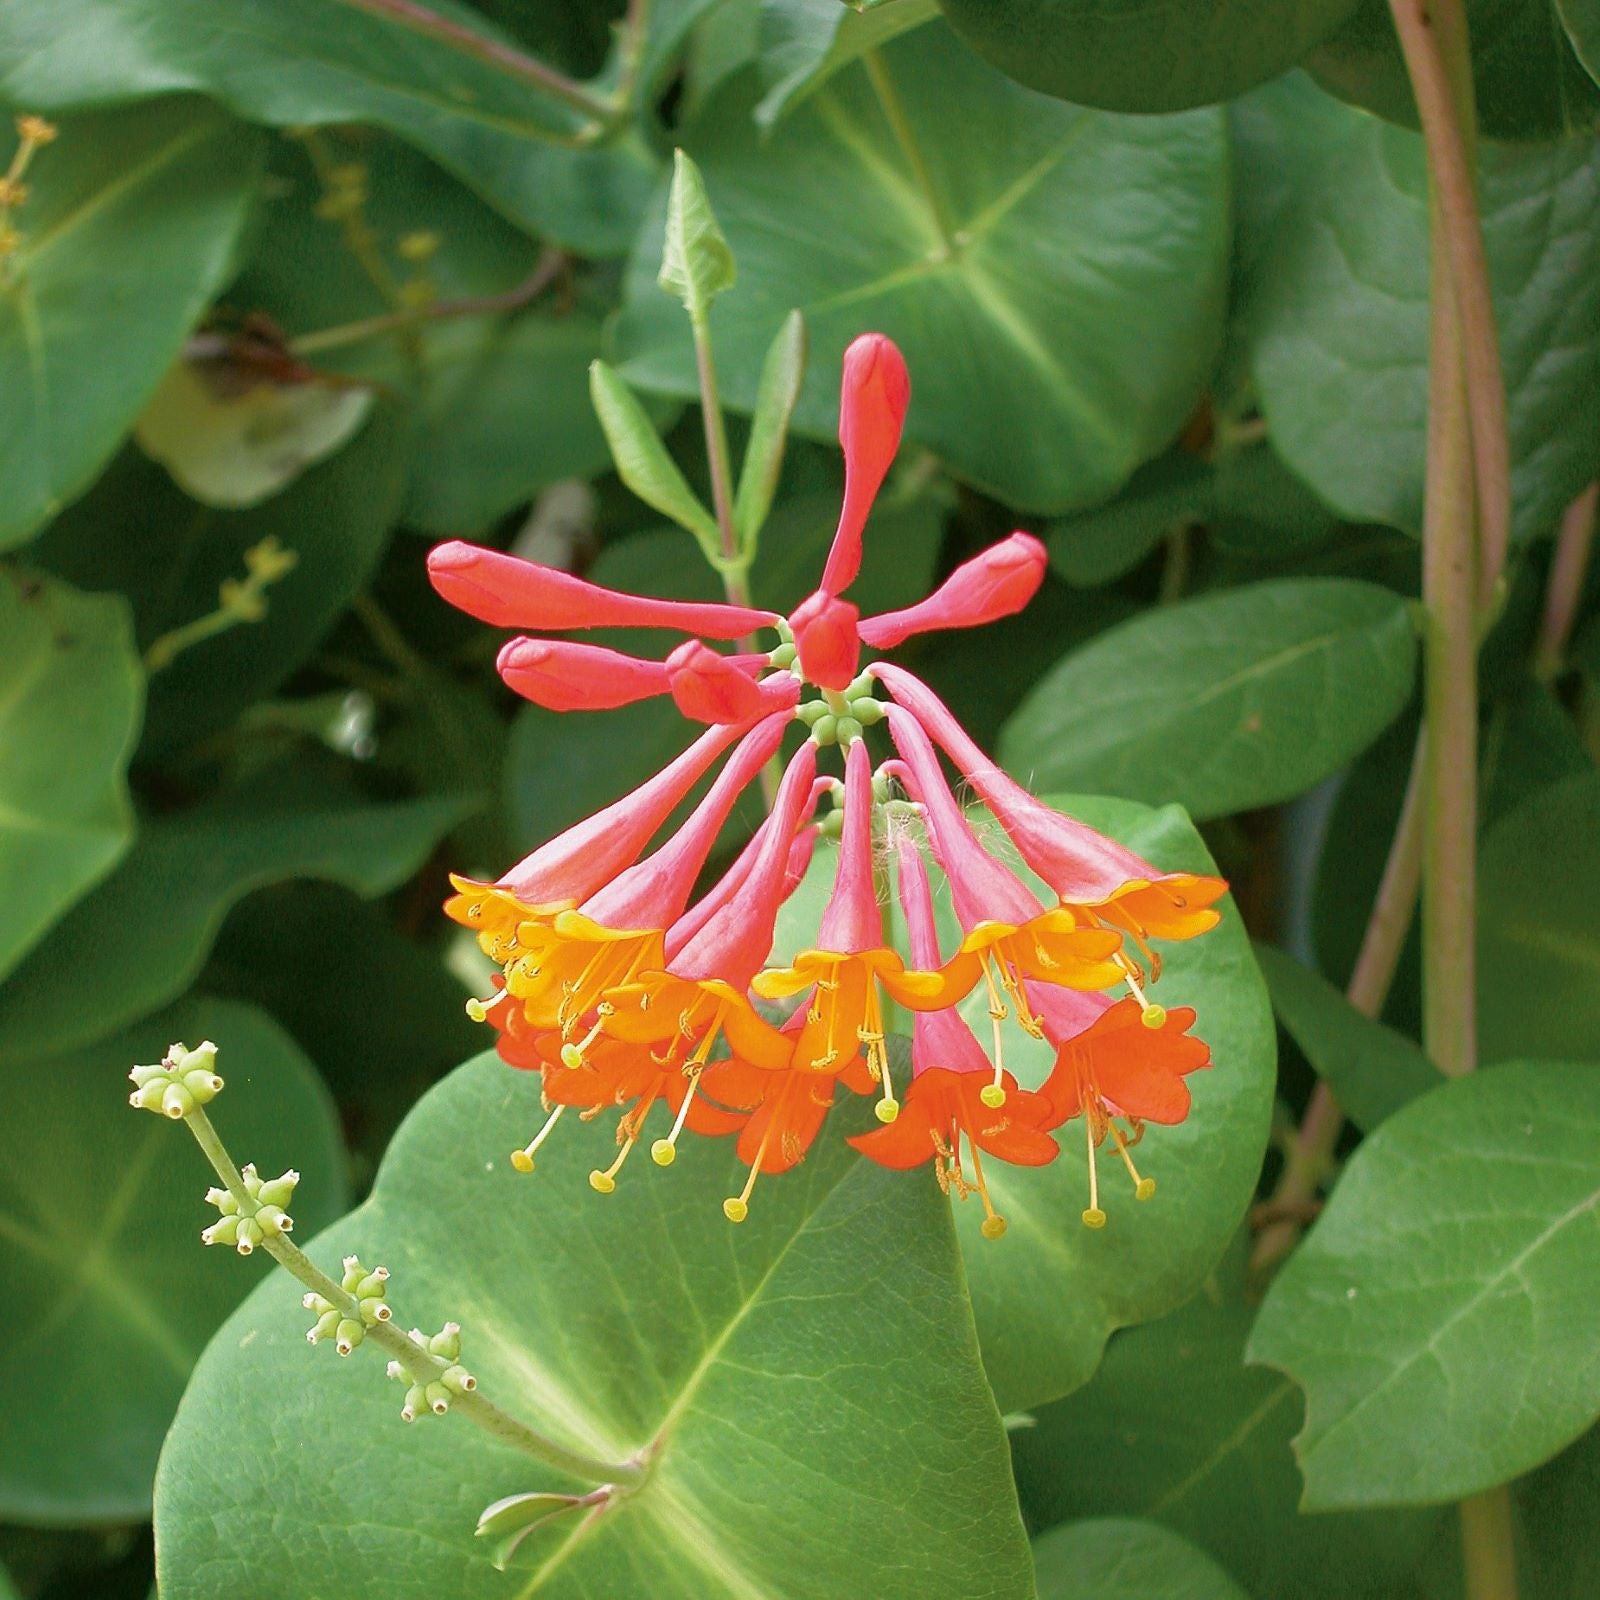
[642, 460]
[782, 373]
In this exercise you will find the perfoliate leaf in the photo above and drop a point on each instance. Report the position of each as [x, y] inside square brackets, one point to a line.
[781, 376]
[641, 458]
[809, 1383]
[1440, 1313]
[696, 263]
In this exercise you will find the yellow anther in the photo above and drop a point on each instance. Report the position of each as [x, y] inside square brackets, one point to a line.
[993, 1095]
[522, 1160]
[992, 1227]
[605, 1182]
[571, 1056]
[602, 1182]
[663, 1152]
[33, 129]
[887, 1109]
[1144, 1189]
[1094, 1217]
[735, 1210]
[1154, 1016]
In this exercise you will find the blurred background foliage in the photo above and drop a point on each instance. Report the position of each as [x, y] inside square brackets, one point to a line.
[296, 291]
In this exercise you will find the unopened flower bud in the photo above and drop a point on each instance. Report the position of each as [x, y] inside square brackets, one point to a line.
[416, 1403]
[224, 1232]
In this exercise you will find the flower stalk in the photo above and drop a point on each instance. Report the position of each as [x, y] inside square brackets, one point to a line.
[419, 1363]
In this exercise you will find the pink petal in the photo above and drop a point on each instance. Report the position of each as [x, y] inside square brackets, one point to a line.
[826, 639]
[875, 392]
[997, 583]
[512, 593]
[563, 675]
[852, 921]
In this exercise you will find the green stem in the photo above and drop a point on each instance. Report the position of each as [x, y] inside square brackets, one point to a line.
[422, 1365]
[1488, 1546]
[717, 456]
[900, 125]
[468, 42]
[1569, 567]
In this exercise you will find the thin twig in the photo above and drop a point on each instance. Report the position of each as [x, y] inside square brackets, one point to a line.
[1569, 567]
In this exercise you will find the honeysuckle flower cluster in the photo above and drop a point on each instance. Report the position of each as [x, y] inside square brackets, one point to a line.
[623, 988]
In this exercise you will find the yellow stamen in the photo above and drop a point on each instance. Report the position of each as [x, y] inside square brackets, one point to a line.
[1150, 1014]
[572, 1054]
[737, 1208]
[887, 1108]
[605, 1182]
[993, 1094]
[665, 1151]
[522, 1159]
[1143, 1188]
[993, 1224]
[1094, 1217]
[479, 1010]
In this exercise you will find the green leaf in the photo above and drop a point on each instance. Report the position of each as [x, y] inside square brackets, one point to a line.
[1336, 313]
[1581, 18]
[1439, 1315]
[1224, 703]
[1076, 261]
[1130, 55]
[1526, 82]
[781, 375]
[1175, 1427]
[1132, 1560]
[802, 43]
[1538, 946]
[134, 531]
[145, 932]
[109, 1291]
[305, 63]
[1049, 1293]
[696, 264]
[71, 699]
[1372, 1069]
[169, 186]
[499, 398]
[811, 1378]
[641, 458]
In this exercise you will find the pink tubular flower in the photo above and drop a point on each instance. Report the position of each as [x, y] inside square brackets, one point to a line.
[997, 583]
[512, 593]
[1084, 867]
[624, 990]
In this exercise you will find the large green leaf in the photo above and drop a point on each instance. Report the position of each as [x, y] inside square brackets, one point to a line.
[1054, 276]
[168, 186]
[1526, 82]
[1538, 944]
[142, 936]
[71, 698]
[135, 532]
[811, 1378]
[1175, 1427]
[501, 399]
[1130, 55]
[1132, 1560]
[1050, 1291]
[1224, 703]
[1373, 1069]
[802, 43]
[108, 1289]
[1336, 317]
[298, 63]
[1440, 1315]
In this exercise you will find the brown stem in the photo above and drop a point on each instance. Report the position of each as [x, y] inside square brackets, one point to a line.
[550, 266]
[468, 42]
[1564, 587]
[1431, 33]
